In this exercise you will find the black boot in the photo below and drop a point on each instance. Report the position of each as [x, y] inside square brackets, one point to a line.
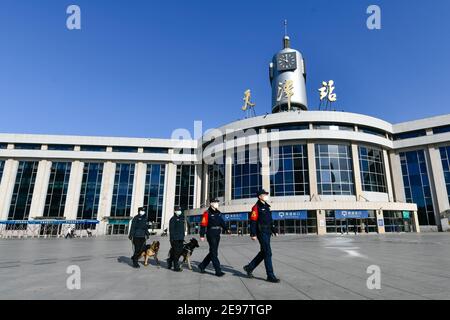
[169, 264]
[136, 264]
[176, 266]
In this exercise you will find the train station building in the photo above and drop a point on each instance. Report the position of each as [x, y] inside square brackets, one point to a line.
[327, 172]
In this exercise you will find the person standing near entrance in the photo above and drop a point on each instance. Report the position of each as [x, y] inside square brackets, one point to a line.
[262, 228]
[138, 234]
[212, 224]
[176, 233]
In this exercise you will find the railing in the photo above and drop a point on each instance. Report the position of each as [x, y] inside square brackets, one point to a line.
[47, 228]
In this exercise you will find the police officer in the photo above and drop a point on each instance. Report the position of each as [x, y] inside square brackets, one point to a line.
[261, 228]
[138, 234]
[212, 223]
[176, 232]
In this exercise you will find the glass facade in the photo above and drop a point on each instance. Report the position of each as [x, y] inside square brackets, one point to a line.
[185, 187]
[417, 185]
[55, 201]
[371, 164]
[246, 173]
[289, 171]
[216, 179]
[123, 190]
[90, 191]
[23, 190]
[445, 157]
[154, 193]
[334, 169]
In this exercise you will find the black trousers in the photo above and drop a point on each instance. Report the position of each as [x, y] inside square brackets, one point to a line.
[176, 250]
[139, 247]
[213, 241]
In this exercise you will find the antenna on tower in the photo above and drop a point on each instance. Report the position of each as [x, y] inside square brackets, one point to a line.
[285, 27]
[286, 40]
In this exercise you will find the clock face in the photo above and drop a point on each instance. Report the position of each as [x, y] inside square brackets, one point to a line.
[286, 61]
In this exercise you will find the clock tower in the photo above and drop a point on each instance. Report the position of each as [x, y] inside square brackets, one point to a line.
[288, 79]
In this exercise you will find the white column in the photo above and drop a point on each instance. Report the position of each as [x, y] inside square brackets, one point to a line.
[416, 222]
[397, 178]
[169, 199]
[356, 172]
[312, 171]
[40, 189]
[137, 200]
[387, 172]
[198, 185]
[205, 184]
[437, 183]
[7, 186]
[228, 177]
[74, 190]
[265, 166]
[380, 217]
[106, 193]
[321, 222]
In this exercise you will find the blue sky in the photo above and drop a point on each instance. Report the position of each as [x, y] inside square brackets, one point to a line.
[144, 68]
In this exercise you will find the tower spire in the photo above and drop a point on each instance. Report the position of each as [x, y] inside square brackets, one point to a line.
[286, 40]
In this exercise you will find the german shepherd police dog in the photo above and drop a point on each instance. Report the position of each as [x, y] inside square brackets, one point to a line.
[188, 249]
[151, 250]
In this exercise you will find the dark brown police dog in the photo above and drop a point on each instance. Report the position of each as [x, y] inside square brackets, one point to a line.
[151, 250]
[188, 249]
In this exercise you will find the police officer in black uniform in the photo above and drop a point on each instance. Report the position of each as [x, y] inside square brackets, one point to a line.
[176, 234]
[138, 234]
[212, 224]
[261, 228]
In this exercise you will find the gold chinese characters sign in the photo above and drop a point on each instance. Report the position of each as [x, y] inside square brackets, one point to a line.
[327, 93]
[286, 90]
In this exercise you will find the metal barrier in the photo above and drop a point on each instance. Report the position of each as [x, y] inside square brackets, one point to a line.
[48, 228]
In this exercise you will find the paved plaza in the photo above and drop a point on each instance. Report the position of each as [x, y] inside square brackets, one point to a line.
[413, 266]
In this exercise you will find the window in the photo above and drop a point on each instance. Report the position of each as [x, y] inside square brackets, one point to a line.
[445, 157]
[409, 135]
[60, 147]
[442, 129]
[417, 185]
[246, 176]
[216, 179]
[289, 171]
[156, 150]
[123, 190]
[23, 190]
[184, 190]
[27, 146]
[154, 193]
[90, 191]
[372, 131]
[371, 164]
[125, 149]
[334, 169]
[93, 148]
[333, 126]
[3, 145]
[288, 127]
[55, 201]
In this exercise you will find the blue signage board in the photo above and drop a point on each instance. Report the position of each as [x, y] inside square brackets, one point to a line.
[195, 219]
[380, 222]
[351, 214]
[242, 216]
[290, 215]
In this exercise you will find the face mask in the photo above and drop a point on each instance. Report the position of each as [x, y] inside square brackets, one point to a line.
[215, 205]
[178, 213]
[141, 213]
